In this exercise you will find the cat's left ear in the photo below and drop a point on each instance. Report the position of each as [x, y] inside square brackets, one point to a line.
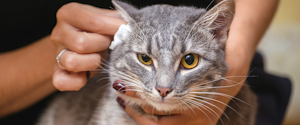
[125, 10]
[218, 20]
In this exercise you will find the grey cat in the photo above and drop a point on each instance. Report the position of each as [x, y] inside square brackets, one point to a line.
[173, 57]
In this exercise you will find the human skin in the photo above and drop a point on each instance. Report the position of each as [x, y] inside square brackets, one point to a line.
[80, 35]
[85, 30]
[26, 76]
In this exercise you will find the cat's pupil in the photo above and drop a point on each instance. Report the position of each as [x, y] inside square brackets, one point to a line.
[189, 59]
[146, 58]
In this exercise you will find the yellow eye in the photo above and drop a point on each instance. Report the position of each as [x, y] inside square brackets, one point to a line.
[145, 59]
[190, 61]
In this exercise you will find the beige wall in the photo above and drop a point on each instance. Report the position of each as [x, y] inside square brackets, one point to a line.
[281, 48]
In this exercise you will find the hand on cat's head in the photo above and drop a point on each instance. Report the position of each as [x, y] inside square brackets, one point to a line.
[84, 31]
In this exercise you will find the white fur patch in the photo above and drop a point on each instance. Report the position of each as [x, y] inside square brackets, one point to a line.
[218, 76]
[122, 32]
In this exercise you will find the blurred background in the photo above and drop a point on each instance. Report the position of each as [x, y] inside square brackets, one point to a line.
[281, 50]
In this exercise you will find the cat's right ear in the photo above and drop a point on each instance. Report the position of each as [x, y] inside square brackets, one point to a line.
[125, 10]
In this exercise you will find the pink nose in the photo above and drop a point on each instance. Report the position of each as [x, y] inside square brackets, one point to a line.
[163, 91]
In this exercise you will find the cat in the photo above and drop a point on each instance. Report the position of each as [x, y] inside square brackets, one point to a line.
[175, 54]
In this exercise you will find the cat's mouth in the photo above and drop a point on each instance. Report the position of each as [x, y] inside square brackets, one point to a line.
[164, 102]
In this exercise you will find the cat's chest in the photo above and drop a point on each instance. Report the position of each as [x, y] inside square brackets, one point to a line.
[109, 112]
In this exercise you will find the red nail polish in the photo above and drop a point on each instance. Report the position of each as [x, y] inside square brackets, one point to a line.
[121, 102]
[119, 87]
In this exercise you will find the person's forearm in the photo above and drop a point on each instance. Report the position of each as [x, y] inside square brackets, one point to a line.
[24, 71]
[28, 98]
[252, 18]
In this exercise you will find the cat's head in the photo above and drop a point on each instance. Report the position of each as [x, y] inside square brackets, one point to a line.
[172, 56]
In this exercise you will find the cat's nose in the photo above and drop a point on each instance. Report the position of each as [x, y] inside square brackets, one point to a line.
[163, 91]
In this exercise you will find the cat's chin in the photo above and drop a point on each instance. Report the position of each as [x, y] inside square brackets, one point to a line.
[160, 106]
[163, 106]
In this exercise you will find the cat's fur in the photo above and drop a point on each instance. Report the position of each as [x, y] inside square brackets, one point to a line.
[166, 34]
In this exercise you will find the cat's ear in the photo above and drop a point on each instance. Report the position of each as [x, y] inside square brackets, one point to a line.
[125, 10]
[218, 20]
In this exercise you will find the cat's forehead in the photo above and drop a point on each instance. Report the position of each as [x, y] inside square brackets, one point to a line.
[167, 14]
[177, 38]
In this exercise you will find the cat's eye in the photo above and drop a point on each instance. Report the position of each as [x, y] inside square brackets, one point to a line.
[189, 61]
[145, 59]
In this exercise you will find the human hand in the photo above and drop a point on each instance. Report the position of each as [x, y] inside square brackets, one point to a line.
[208, 114]
[85, 31]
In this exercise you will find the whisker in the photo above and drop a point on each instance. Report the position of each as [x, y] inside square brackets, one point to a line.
[120, 72]
[202, 111]
[153, 113]
[125, 77]
[186, 103]
[101, 79]
[222, 94]
[134, 90]
[223, 78]
[214, 105]
[102, 86]
[223, 104]
[209, 4]
[206, 108]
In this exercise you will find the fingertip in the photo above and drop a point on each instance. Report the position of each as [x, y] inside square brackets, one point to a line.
[68, 81]
[122, 88]
[119, 86]
[139, 118]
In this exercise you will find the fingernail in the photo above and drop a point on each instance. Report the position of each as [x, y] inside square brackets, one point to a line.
[119, 87]
[121, 102]
[88, 74]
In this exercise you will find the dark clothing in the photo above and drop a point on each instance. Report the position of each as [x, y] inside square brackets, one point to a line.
[273, 93]
[23, 22]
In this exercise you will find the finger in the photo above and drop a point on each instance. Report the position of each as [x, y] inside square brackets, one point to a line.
[89, 20]
[81, 41]
[130, 91]
[107, 12]
[175, 120]
[68, 81]
[119, 86]
[75, 62]
[140, 119]
[164, 120]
